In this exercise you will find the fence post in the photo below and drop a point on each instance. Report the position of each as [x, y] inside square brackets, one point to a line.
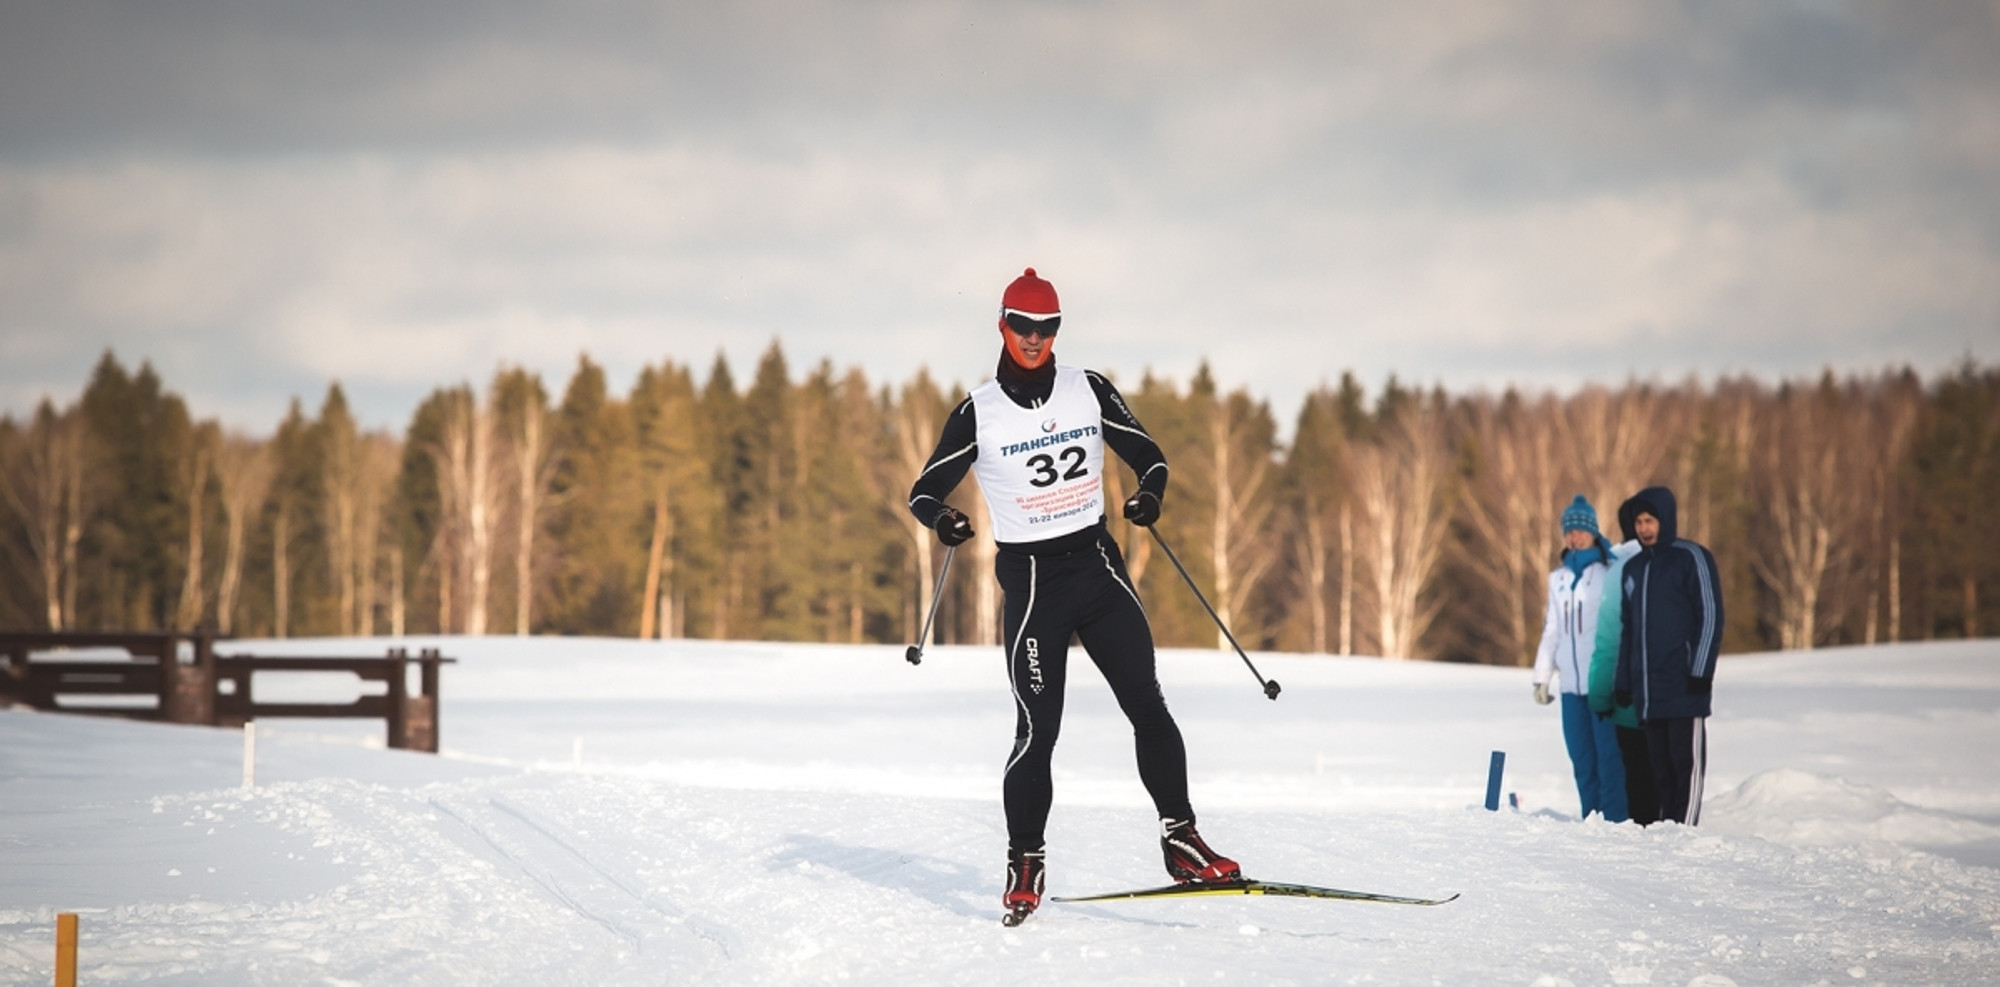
[190, 689]
[399, 698]
[420, 712]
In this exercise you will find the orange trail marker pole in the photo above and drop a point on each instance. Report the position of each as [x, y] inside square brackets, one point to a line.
[66, 950]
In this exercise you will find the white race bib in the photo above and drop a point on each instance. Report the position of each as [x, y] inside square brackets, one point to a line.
[1041, 469]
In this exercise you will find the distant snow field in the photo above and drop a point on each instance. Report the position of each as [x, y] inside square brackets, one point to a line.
[622, 812]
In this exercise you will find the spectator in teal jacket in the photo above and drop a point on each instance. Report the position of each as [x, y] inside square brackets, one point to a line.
[1641, 800]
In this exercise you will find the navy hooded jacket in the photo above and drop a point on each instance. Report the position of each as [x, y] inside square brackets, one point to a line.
[1673, 619]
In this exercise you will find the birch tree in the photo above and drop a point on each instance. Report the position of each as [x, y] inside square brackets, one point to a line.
[197, 469]
[916, 418]
[1234, 466]
[1803, 475]
[1401, 485]
[1888, 428]
[1620, 442]
[1516, 496]
[466, 473]
[42, 483]
[522, 409]
[244, 470]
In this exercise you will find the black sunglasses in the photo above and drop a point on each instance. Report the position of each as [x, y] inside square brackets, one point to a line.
[1028, 326]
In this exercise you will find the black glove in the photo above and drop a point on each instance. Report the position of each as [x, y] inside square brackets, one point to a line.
[1700, 686]
[1622, 697]
[1143, 509]
[953, 527]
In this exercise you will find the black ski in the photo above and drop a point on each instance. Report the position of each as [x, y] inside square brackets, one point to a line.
[1246, 886]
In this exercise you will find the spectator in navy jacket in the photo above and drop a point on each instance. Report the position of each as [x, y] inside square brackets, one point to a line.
[1666, 655]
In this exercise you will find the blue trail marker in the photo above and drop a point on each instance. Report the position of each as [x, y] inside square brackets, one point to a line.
[1493, 773]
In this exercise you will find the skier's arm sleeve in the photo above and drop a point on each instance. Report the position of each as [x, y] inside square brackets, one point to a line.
[1621, 678]
[957, 447]
[1545, 652]
[1604, 649]
[1706, 590]
[1128, 438]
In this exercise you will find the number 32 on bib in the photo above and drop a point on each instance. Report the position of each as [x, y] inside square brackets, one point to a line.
[1041, 469]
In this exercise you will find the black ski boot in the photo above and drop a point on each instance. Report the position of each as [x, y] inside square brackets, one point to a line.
[1024, 885]
[1189, 857]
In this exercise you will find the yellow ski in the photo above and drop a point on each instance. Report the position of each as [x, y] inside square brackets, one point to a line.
[1245, 886]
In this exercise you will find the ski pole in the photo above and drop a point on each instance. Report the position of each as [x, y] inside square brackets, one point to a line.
[1270, 685]
[915, 653]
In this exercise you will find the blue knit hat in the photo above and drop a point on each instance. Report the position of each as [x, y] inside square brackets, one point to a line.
[1579, 516]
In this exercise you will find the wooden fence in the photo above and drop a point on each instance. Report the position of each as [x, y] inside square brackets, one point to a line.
[180, 678]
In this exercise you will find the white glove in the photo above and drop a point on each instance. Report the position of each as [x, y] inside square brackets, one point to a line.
[1542, 695]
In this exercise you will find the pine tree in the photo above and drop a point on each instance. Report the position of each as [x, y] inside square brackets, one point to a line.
[832, 549]
[870, 587]
[293, 545]
[133, 550]
[1169, 417]
[596, 509]
[21, 576]
[420, 591]
[337, 492]
[729, 463]
[680, 502]
[1956, 463]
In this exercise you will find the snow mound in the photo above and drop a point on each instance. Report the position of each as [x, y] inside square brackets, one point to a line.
[1803, 809]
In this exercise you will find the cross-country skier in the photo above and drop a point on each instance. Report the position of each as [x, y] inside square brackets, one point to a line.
[1036, 435]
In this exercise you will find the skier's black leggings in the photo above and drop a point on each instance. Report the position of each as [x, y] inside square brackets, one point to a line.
[1087, 593]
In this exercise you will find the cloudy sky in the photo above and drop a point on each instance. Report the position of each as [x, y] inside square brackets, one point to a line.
[260, 197]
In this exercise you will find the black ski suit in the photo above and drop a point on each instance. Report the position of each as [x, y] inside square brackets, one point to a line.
[1072, 584]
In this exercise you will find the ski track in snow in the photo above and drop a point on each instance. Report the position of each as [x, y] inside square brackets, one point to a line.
[830, 846]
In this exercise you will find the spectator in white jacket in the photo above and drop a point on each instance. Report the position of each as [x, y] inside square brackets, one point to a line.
[1562, 663]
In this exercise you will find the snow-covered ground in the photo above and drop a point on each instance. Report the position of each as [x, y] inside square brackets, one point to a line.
[611, 812]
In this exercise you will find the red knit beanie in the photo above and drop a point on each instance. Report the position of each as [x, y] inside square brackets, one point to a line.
[1031, 296]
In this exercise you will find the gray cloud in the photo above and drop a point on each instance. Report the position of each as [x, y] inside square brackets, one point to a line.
[260, 198]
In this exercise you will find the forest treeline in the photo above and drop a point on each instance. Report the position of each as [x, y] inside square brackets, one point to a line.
[1409, 523]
